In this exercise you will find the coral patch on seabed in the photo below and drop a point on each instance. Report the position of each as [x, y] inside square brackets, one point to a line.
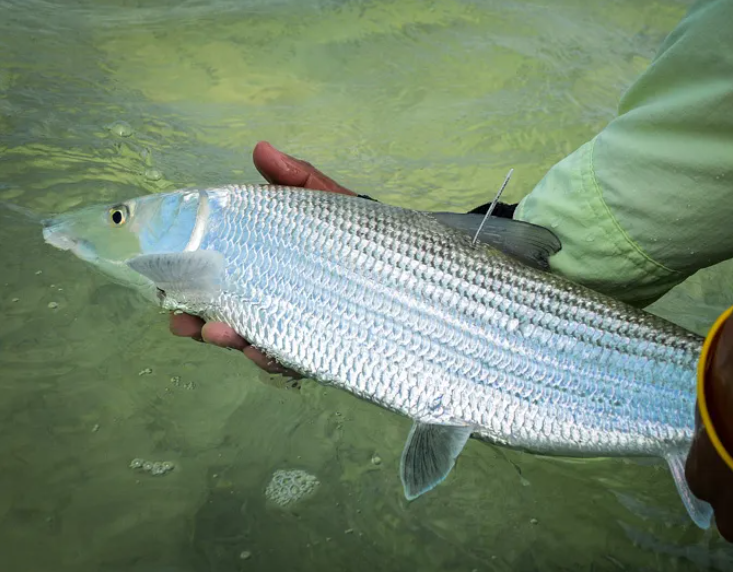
[157, 468]
[290, 486]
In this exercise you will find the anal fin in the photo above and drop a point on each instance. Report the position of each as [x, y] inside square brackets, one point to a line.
[429, 455]
[700, 511]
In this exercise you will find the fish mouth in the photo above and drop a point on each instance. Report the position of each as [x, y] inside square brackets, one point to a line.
[54, 235]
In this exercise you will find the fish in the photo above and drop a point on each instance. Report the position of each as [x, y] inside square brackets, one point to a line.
[452, 320]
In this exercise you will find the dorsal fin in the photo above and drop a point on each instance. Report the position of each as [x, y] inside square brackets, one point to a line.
[524, 241]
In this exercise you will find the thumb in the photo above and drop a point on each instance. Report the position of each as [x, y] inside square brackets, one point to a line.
[281, 169]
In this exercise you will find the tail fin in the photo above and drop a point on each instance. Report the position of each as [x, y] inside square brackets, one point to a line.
[700, 511]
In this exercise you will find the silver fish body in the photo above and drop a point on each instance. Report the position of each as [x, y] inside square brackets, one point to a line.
[395, 307]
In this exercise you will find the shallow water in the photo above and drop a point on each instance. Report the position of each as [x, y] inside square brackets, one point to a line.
[422, 104]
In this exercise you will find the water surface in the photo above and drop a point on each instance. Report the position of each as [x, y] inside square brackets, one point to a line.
[421, 104]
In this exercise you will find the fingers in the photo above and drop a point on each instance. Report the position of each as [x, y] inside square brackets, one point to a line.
[711, 480]
[186, 326]
[698, 459]
[267, 363]
[223, 336]
[281, 169]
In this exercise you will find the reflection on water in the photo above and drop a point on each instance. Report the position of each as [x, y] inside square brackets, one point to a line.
[423, 104]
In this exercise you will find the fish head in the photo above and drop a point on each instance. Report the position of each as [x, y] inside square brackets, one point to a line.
[108, 236]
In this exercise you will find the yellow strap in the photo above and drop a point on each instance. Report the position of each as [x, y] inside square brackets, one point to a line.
[701, 398]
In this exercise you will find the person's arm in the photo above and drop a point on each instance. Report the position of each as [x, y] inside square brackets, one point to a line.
[649, 200]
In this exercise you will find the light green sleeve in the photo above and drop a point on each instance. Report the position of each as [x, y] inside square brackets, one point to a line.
[649, 201]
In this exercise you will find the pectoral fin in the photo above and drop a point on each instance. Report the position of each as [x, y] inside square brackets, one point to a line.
[183, 274]
[429, 455]
[700, 511]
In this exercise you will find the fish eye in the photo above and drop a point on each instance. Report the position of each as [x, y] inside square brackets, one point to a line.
[118, 215]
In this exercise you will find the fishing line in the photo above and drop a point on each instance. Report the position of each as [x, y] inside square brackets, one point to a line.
[492, 206]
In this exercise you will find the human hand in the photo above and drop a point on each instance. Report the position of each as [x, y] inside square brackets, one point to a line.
[279, 169]
[708, 475]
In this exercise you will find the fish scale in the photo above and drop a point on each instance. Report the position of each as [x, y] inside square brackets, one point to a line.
[395, 274]
[403, 309]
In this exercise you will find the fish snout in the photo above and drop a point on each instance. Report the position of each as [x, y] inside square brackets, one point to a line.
[54, 236]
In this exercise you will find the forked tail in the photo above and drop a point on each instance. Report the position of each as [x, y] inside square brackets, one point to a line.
[700, 511]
